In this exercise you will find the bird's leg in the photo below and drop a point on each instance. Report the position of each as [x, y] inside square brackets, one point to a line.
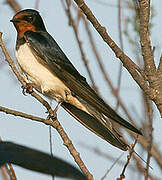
[27, 89]
[56, 109]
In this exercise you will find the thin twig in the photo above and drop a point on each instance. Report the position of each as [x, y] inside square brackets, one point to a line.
[37, 4]
[146, 48]
[4, 173]
[21, 114]
[142, 169]
[14, 5]
[150, 130]
[51, 145]
[122, 48]
[50, 140]
[116, 161]
[133, 168]
[98, 152]
[131, 151]
[13, 175]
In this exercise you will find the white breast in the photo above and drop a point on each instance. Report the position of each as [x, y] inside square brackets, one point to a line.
[35, 73]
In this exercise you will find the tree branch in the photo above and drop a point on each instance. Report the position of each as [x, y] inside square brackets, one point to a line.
[150, 130]
[14, 5]
[131, 151]
[146, 48]
[21, 114]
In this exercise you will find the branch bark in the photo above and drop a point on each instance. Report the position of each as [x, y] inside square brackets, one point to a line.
[21, 114]
[146, 48]
[14, 5]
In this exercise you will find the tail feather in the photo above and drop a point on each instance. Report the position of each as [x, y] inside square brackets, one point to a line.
[100, 112]
[94, 125]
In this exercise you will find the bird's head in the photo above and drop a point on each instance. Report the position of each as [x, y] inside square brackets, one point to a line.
[27, 20]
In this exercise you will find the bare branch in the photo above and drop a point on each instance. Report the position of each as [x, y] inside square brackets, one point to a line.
[14, 5]
[21, 114]
[142, 169]
[116, 161]
[37, 4]
[150, 129]
[146, 48]
[122, 176]
[4, 173]
[122, 48]
[13, 175]
[120, 162]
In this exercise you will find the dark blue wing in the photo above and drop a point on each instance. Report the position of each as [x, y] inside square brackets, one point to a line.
[47, 50]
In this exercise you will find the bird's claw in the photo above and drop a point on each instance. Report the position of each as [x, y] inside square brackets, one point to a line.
[23, 90]
[27, 89]
[53, 116]
[56, 109]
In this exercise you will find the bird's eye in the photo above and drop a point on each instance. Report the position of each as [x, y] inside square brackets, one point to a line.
[29, 18]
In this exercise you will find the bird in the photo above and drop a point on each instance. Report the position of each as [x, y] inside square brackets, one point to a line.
[45, 67]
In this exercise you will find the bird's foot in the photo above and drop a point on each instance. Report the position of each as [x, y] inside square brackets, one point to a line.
[27, 89]
[56, 109]
[52, 116]
[48, 117]
[55, 113]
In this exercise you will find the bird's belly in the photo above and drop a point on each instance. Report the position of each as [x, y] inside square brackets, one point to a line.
[42, 79]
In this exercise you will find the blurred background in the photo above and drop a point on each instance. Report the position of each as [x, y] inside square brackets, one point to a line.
[121, 21]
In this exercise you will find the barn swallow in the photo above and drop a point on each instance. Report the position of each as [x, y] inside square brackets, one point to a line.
[43, 64]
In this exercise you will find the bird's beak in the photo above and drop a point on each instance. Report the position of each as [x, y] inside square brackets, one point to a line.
[15, 20]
